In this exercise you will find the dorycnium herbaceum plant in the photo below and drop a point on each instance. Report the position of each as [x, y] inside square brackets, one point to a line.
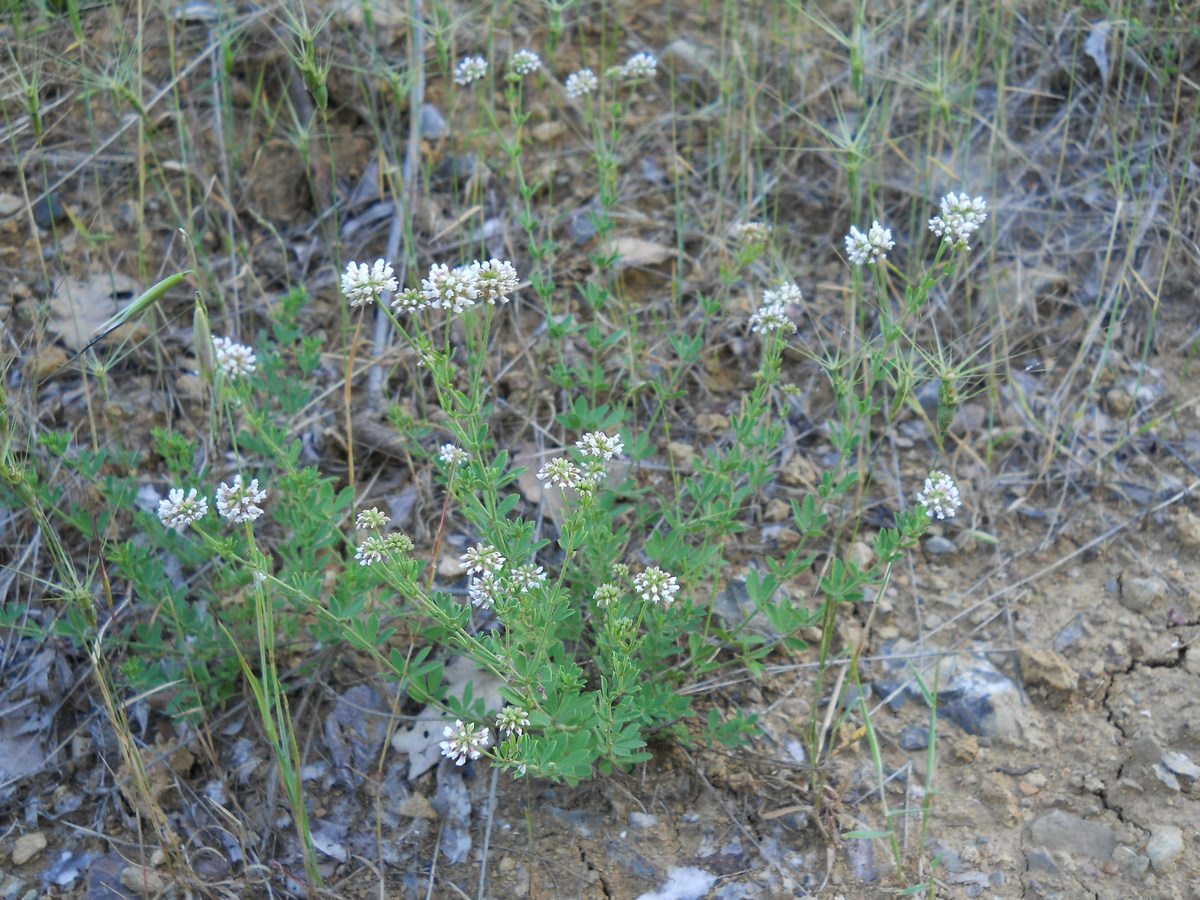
[587, 592]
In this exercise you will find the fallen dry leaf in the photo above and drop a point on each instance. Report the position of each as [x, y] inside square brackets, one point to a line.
[78, 308]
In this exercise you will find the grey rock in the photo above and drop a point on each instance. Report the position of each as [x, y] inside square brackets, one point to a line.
[10, 203]
[48, 210]
[1142, 593]
[1164, 847]
[914, 737]
[983, 701]
[1062, 832]
[433, 123]
[1130, 862]
[939, 546]
[1040, 861]
[891, 692]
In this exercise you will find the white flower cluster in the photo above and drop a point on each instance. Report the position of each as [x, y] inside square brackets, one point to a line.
[656, 586]
[961, 217]
[464, 286]
[470, 69]
[452, 455]
[178, 511]
[871, 247]
[237, 502]
[751, 234]
[525, 62]
[463, 742]
[233, 359]
[490, 583]
[377, 547]
[640, 65]
[772, 315]
[512, 721]
[363, 284]
[940, 497]
[581, 83]
[454, 289]
[596, 448]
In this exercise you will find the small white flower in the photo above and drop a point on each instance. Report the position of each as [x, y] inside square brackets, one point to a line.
[452, 289]
[751, 234]
[525, 61]
[463, 742]
[600, 445]
[559, 472]
[655, 586]
[593, 470]
[527, 578]
[452, 455]
[485, 589]
[772, 317]
[371, 550]
[871, 247]
[237, 502]
[581, 83]
[409, 300]
[512, 721]
[640, 65]
[786, 293]
[940, 497]
[365, 284]
[961, 217]
[234, 359]
[494, 280]
[372, 518]
[469, 69]
[483, 558]
[177, 511]
[606, 595]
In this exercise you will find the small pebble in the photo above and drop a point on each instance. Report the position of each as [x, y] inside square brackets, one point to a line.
[48, 210]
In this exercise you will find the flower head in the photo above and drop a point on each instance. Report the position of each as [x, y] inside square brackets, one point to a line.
[483, 558]
[640, 65]
[940, 497]
[606, 595]
[469, 69]
[372, 518]
[772, 317]
[512, 721]
[871, 247]
[494, 280]
[656, 586]
[463, 742]
[559, 472]
[396, 543]
[485, 589]
[177, 511]
[751, 234]
[786, 293]
[961, 217]
[409, 300]
[233, 359]
[527, 578]
[365, 284]
[452, 289]
[237, 502]
[452, 455]
[600, 445]
[525, 61]
[371, 550]
[581, 83]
